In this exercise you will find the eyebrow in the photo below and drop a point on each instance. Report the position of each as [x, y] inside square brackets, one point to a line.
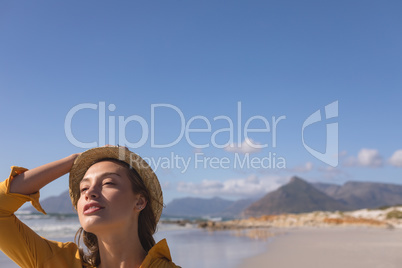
[101, 176]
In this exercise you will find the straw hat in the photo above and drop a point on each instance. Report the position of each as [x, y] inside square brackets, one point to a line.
[87, 158]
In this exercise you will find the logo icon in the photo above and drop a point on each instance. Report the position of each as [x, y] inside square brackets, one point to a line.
[330, 156]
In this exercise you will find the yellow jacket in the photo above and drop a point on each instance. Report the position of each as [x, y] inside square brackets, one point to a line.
[28, 249]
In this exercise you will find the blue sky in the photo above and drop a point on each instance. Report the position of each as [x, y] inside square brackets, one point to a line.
[162, 61]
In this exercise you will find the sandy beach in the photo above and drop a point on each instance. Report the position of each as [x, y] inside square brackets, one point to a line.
[302, 247]
[332, 247]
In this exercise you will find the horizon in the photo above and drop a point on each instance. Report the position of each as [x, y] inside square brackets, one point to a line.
[255, 198]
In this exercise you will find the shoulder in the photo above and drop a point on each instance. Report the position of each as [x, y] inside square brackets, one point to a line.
[159, 256]
[60, 254]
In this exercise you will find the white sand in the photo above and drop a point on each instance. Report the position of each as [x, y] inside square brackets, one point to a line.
[332, 247]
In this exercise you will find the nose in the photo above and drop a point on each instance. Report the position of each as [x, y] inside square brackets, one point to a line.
[91, 193]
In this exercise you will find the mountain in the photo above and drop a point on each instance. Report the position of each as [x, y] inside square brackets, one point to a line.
[57, 204]
[183, 207]
[202, 207]
[327, 188]
[236, 208]
[295, 197]
[196, 207]
[359, 195]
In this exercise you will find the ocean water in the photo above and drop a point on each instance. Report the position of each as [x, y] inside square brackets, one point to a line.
[189, 246]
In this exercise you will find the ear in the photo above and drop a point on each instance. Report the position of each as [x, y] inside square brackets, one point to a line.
[141, 203]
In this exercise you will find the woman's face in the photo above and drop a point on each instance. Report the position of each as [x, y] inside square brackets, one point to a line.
[107, 200]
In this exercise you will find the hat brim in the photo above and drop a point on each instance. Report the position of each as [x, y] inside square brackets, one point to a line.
[89, 157]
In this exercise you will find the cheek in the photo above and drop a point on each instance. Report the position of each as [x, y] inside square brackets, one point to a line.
[80, 205]
[122, 201]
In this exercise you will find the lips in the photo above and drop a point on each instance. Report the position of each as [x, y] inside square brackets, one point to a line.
[92, 208]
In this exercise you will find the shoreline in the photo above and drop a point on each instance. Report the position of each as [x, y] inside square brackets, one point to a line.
[364, 238]
[225, 248]
[331, 247]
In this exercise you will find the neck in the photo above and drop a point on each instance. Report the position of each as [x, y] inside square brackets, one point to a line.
[121, 250]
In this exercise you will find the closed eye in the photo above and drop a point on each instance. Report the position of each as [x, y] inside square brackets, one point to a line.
[84, 189]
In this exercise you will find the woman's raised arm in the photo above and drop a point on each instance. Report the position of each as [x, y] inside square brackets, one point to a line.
[33, 180]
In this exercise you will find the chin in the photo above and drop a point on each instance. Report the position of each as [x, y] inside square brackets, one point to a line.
[90, 224]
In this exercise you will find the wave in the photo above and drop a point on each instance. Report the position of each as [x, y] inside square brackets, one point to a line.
[56, 226]
[51, 226]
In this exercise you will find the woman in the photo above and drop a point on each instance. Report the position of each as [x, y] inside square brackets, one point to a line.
[118, 200]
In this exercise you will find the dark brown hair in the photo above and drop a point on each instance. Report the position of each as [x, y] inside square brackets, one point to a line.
[146, 219]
